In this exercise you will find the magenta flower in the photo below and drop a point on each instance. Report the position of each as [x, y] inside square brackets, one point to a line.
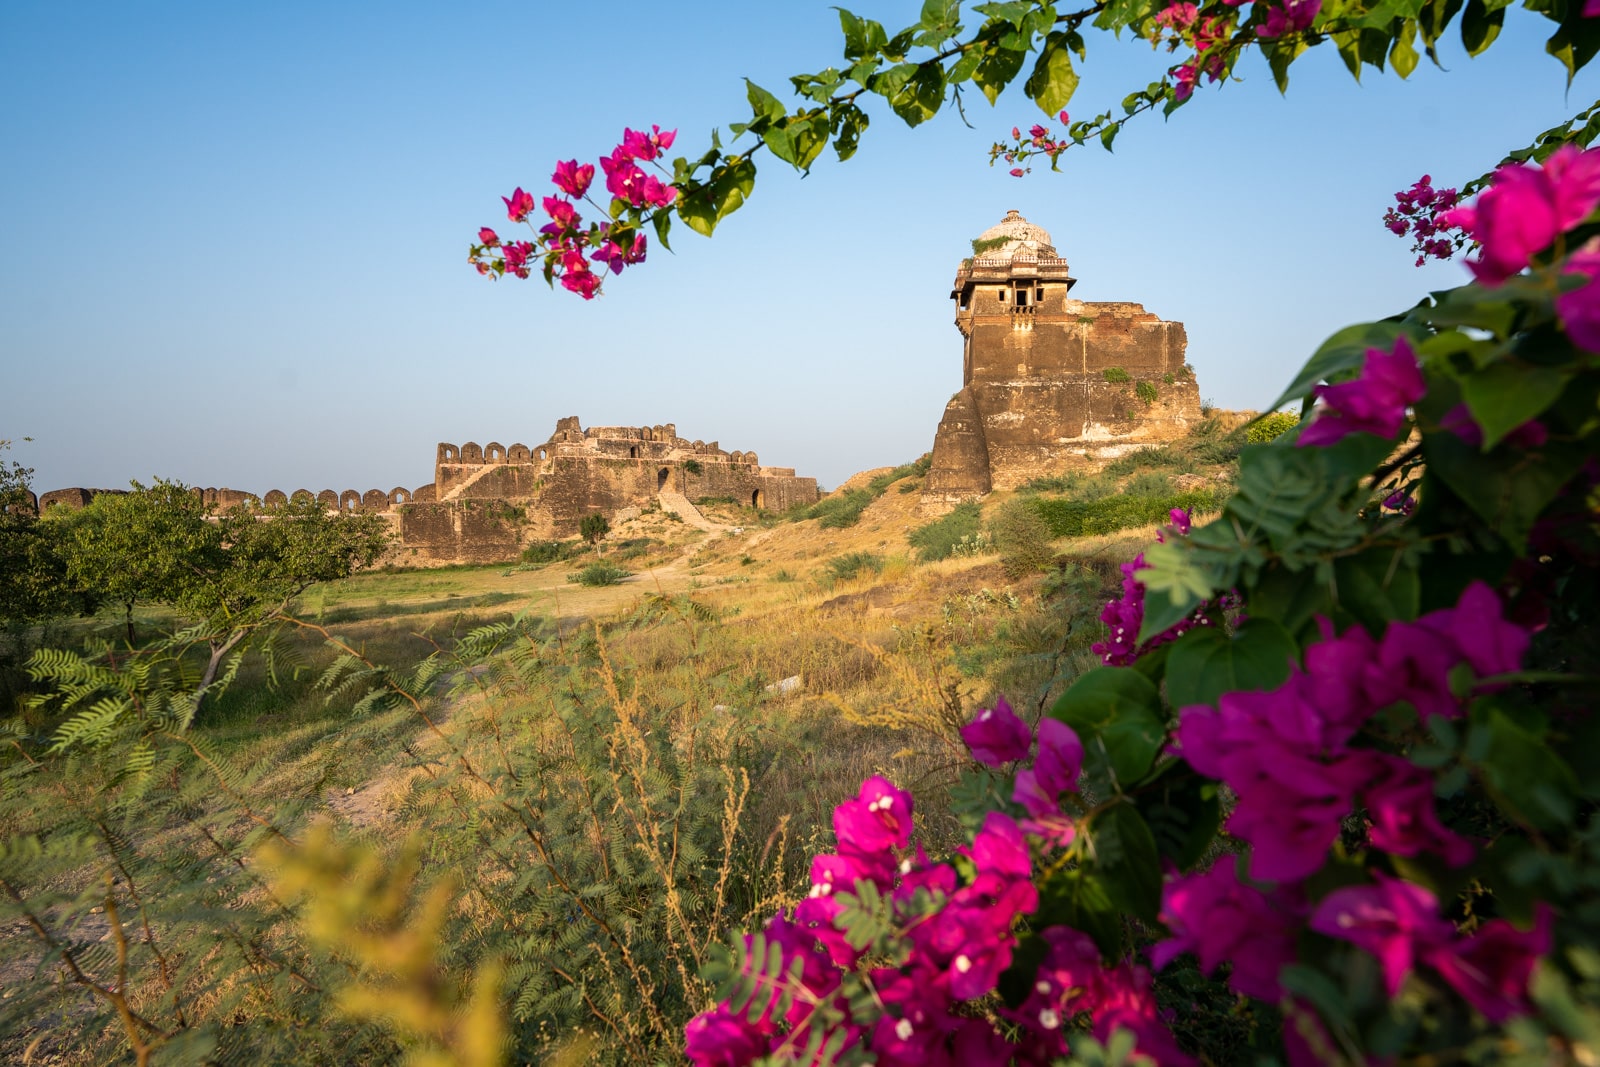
[1180, 521]
[1291, 817]
[518, 205]
[1491, 968]
[1375, 403]
[657, 193]
[1580, 308]
[584, 282]
[1055, 770]
[1291, 16]
[572, 177]
[1400, 501]
[611, 255]
[997, 735]
[517, 253]
[1017, 172]
[1396, 922]
[875, 822]
[1399, 801]
[719, 1038]
[1524, 209]
[1064, 119]
[1221, 921]
[488, 237]
[646, 146]
[562, 213]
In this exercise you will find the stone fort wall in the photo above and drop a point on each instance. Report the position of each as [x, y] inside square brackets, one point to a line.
[487, 501]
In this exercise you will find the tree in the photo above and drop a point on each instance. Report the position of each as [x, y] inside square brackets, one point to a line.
[593, 528]
[142, 545]
[33, 567]
[227, 575]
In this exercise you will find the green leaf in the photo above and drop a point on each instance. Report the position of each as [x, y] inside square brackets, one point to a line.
[1505, 395]
[1377, 587]
[1344, 351]
[1527, 779]
[1118, 710]
[1480, 25]
[1079, 898]
[1205, 663]
[1507, 491]
[996, 70]
[704, 207]
[762, 103]
[1126, 855]
[662, 220]
[847, 123]
[1183, 809]
[1403, 56]
[862, 37]
[1053, 80]
[920, 98]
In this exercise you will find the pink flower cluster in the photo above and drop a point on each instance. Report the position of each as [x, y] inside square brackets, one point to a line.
[1287, 753]
[564, 242]
[1417, 213]
[1124, 617]
[1526, 208]
[1290, 16]
[956, 951]
[997, 736]
[1376, 402]
[1039, 139]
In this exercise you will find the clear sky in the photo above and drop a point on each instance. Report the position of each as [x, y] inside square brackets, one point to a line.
[233, 236]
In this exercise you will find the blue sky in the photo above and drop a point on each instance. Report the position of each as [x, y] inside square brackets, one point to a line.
[233, 236]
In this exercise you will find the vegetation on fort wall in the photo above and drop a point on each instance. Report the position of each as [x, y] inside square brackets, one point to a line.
[843, 509]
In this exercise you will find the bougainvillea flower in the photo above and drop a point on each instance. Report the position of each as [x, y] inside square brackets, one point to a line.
[876, 821]
[656, 193]
[1399, 801]
[1580, 308]
[561, 212]
[611, 255]
[488, 237]
[999, 848]
[646, 146]
[517, 253]
[1396, 922]
[585, 283]
[997, 735]
[518, 205]
[1055, 770]
[1292, 816]
[719, 1038]
[1491, 968]
[572, 177]
[1478, 629]
[1220, 920]
[1375, 402]
[1290, 16]
[1524, 209]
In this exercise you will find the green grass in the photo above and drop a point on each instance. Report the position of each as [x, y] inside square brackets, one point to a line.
[1076, 518]
[853, 565]
[940, 538]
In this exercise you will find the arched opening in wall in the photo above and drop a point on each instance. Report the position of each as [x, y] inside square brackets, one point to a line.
[633, 451]
[758, 499]
[541, 454]
[662, 476]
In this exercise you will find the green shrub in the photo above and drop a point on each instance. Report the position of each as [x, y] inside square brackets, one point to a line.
[981, 245]
[844, 568]
[596, 574]
[1146, 391]
[593, 528]
[1077, 518]
[840, 510]
[1021, 537]
[1168, 379]
[1147, 459]
[938, 539]
[1116, 374]
[546, 552]
[1150, 483]
[692, 466]
[1074, 486]
[1271, 427]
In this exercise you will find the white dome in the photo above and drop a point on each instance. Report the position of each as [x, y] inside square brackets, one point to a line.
[1017, 238]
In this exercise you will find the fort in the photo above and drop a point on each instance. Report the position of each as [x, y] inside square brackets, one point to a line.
[1049, 382]
[487, 501]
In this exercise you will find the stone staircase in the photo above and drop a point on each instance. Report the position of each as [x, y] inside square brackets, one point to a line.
[679, 505]
[477, 475]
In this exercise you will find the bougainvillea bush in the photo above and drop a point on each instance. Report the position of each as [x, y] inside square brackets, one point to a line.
[1341, 757]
